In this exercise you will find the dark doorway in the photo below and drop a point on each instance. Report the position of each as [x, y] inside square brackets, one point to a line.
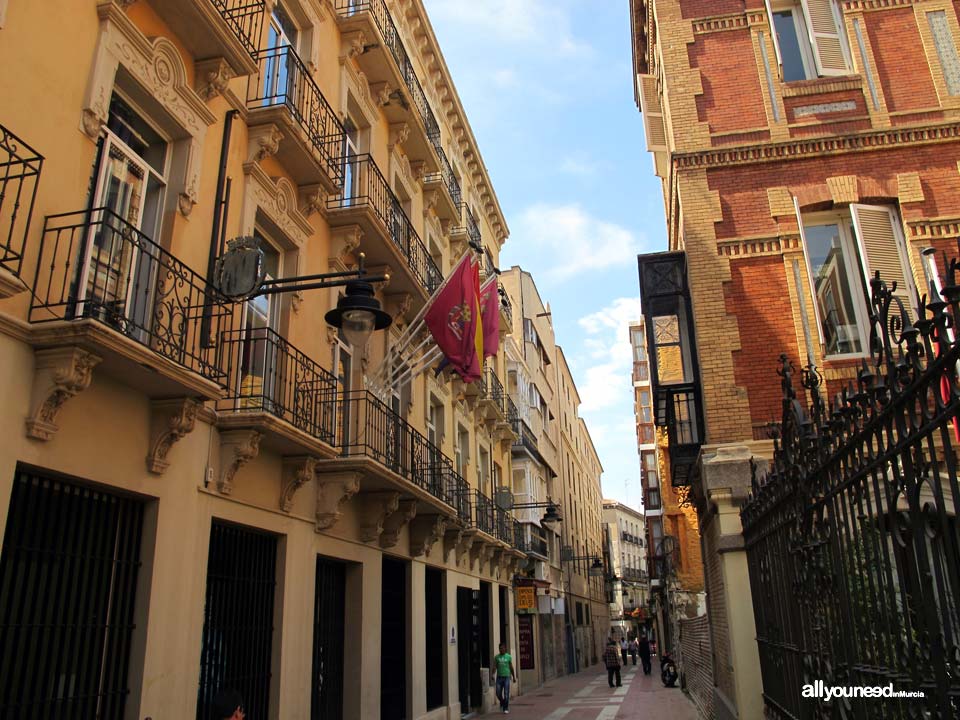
[68, 577]
[393, 640]
[504, 606]
[435, 636]
[486, 601]
[328, 623]
[237, 638]
[468, 648]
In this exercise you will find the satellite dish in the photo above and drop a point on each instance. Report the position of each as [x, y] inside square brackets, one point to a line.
[240, 270]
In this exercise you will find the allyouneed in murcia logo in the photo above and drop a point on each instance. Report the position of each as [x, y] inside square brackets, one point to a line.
[821, 691]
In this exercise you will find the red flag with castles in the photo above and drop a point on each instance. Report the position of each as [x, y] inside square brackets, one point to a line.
[490, 312]
[454, 319]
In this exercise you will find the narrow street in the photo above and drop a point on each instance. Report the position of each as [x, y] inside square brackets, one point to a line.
[586, 696]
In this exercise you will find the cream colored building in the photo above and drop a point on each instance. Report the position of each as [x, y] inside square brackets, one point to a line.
[630, 583]
[196, 493]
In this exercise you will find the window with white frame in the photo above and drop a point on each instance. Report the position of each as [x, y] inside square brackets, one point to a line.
[809, 38]
[843, 250]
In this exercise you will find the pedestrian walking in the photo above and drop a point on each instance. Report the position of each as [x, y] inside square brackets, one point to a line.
[611, 658]
[633, 651]
[227, 705]
[504, 663]
[623, 650]
[644, 650]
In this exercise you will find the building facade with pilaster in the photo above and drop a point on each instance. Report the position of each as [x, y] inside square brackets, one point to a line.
[206, 492]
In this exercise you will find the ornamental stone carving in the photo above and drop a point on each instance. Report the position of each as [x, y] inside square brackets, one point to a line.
[352, 44]
[451, 540]
[399, 134]
[61, 374]
[465, 544]
[297, 472]
[263, 141]
[172, 420]
[396, 521]
[381, 93]
[313, 200]
[237, 448]
[277, 199]
[425, 532]
[375, 509]
[213, 78]
[343, 241]
[333, 490]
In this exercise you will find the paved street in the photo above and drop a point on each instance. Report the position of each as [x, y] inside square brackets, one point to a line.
[586, 696]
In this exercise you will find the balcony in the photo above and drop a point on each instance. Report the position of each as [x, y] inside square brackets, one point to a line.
[506, 312]
[492, 405]
[378, 443]
[536, 542]
[103, 286]
[677, 410]
[384, 59]
[368, 202]
[484, 514]
[20, 167]
[277, 389]
[445, 183]
[526, 440]
[282, 95]
[228, 29]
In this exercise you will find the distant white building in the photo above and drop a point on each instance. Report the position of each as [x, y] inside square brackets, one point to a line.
[625, 531]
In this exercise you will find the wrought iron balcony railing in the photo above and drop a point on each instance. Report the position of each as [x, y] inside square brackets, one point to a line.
[20, 167]
[525, 436]
[368, 427]
[391, 38]
[536, 542]
[513, 415]
[283, 80]
[520, 537]
[365, 186]
[95, 265]
[506, 307]
[492, 389]
[484, 516]
[270, 375]
[473, 229]
[504, 524]
[245, 18]
[446, 176]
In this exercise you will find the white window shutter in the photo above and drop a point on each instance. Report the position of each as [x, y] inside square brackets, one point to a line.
[810, 278]
[883, 250]
[826, 37]
[653, 125]
[776, 39]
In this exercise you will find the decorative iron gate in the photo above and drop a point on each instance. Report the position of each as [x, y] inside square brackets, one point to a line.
[238, 619]
[68, 578]
[852, 539]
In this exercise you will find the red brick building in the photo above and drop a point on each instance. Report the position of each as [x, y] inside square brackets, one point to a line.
[803, 145]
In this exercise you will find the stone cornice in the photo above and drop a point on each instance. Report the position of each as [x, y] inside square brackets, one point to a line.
[720, 23]
[814, 147]
[867, 5]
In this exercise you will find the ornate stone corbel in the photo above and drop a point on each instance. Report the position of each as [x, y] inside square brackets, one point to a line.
[297, 472]
[496, 560]
[172, 420]
[61, 373]
[398, 305]
[451, 540]
[399, 133]
[380, 92]
[480, 553]
[376, 508]
[352, 44]
[237, 448]
[343, 241]
[396, 521]
[186, 201]
[212, 78]
[465, 545]
[333, 490]
[313, 200]
[425, 531]
[430, 200]
[263, 141]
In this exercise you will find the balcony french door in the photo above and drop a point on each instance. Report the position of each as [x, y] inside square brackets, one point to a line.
[259, 361]
[117, 281]
[278, 81]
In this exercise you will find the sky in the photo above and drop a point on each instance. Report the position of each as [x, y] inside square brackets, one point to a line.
[547, 88]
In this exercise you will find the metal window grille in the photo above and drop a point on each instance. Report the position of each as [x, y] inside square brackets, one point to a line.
[328, 640]
[68, 577]
[393, 648]
[238, 618]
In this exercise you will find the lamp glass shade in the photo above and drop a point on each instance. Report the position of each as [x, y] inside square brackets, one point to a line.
[596, 570]
[358, 326]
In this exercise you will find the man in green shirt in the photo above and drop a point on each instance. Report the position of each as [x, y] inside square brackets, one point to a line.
[504, 663]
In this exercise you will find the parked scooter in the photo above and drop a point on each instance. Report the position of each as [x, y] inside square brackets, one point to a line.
[668, 670]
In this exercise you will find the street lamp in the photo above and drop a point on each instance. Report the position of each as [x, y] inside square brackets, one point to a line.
[551, 517]
[596, 569]
[358, 313]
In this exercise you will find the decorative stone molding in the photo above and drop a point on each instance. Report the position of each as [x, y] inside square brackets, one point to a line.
[451, 540]
[297, 472]
[343, 241]
[399, 134]
[263, 141]
[728, 471]
[425, 532]
[927, 229]
[381, 93]
[843, 189]
[313, 200]
[398, 305]
[237, 448]
[396, 521]
[375, 510]
[155, 64]
[171, 421]
[909, 188]
[465, 543]
[358, 87]
[480, 554]
[352, 44]
[277, 199]
[333, 490]
[212, 78]
[61, 374]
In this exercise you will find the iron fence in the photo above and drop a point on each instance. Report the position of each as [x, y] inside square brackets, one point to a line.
[852, 539]
[492, 389]
[483, 516]
[95, 265]
[366, 187]
[268, 374]
[504, 524]
[245, 18]
[20, 167]
[283, 80]
[446, 176]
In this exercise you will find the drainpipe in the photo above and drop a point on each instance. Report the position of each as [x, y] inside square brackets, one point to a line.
[219, 223]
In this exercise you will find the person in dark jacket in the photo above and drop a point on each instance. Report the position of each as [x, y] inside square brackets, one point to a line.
[645, 654]
[611, 658]
[227, 705]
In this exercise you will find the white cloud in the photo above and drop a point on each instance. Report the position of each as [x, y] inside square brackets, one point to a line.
[579, 166]
[572, 238]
